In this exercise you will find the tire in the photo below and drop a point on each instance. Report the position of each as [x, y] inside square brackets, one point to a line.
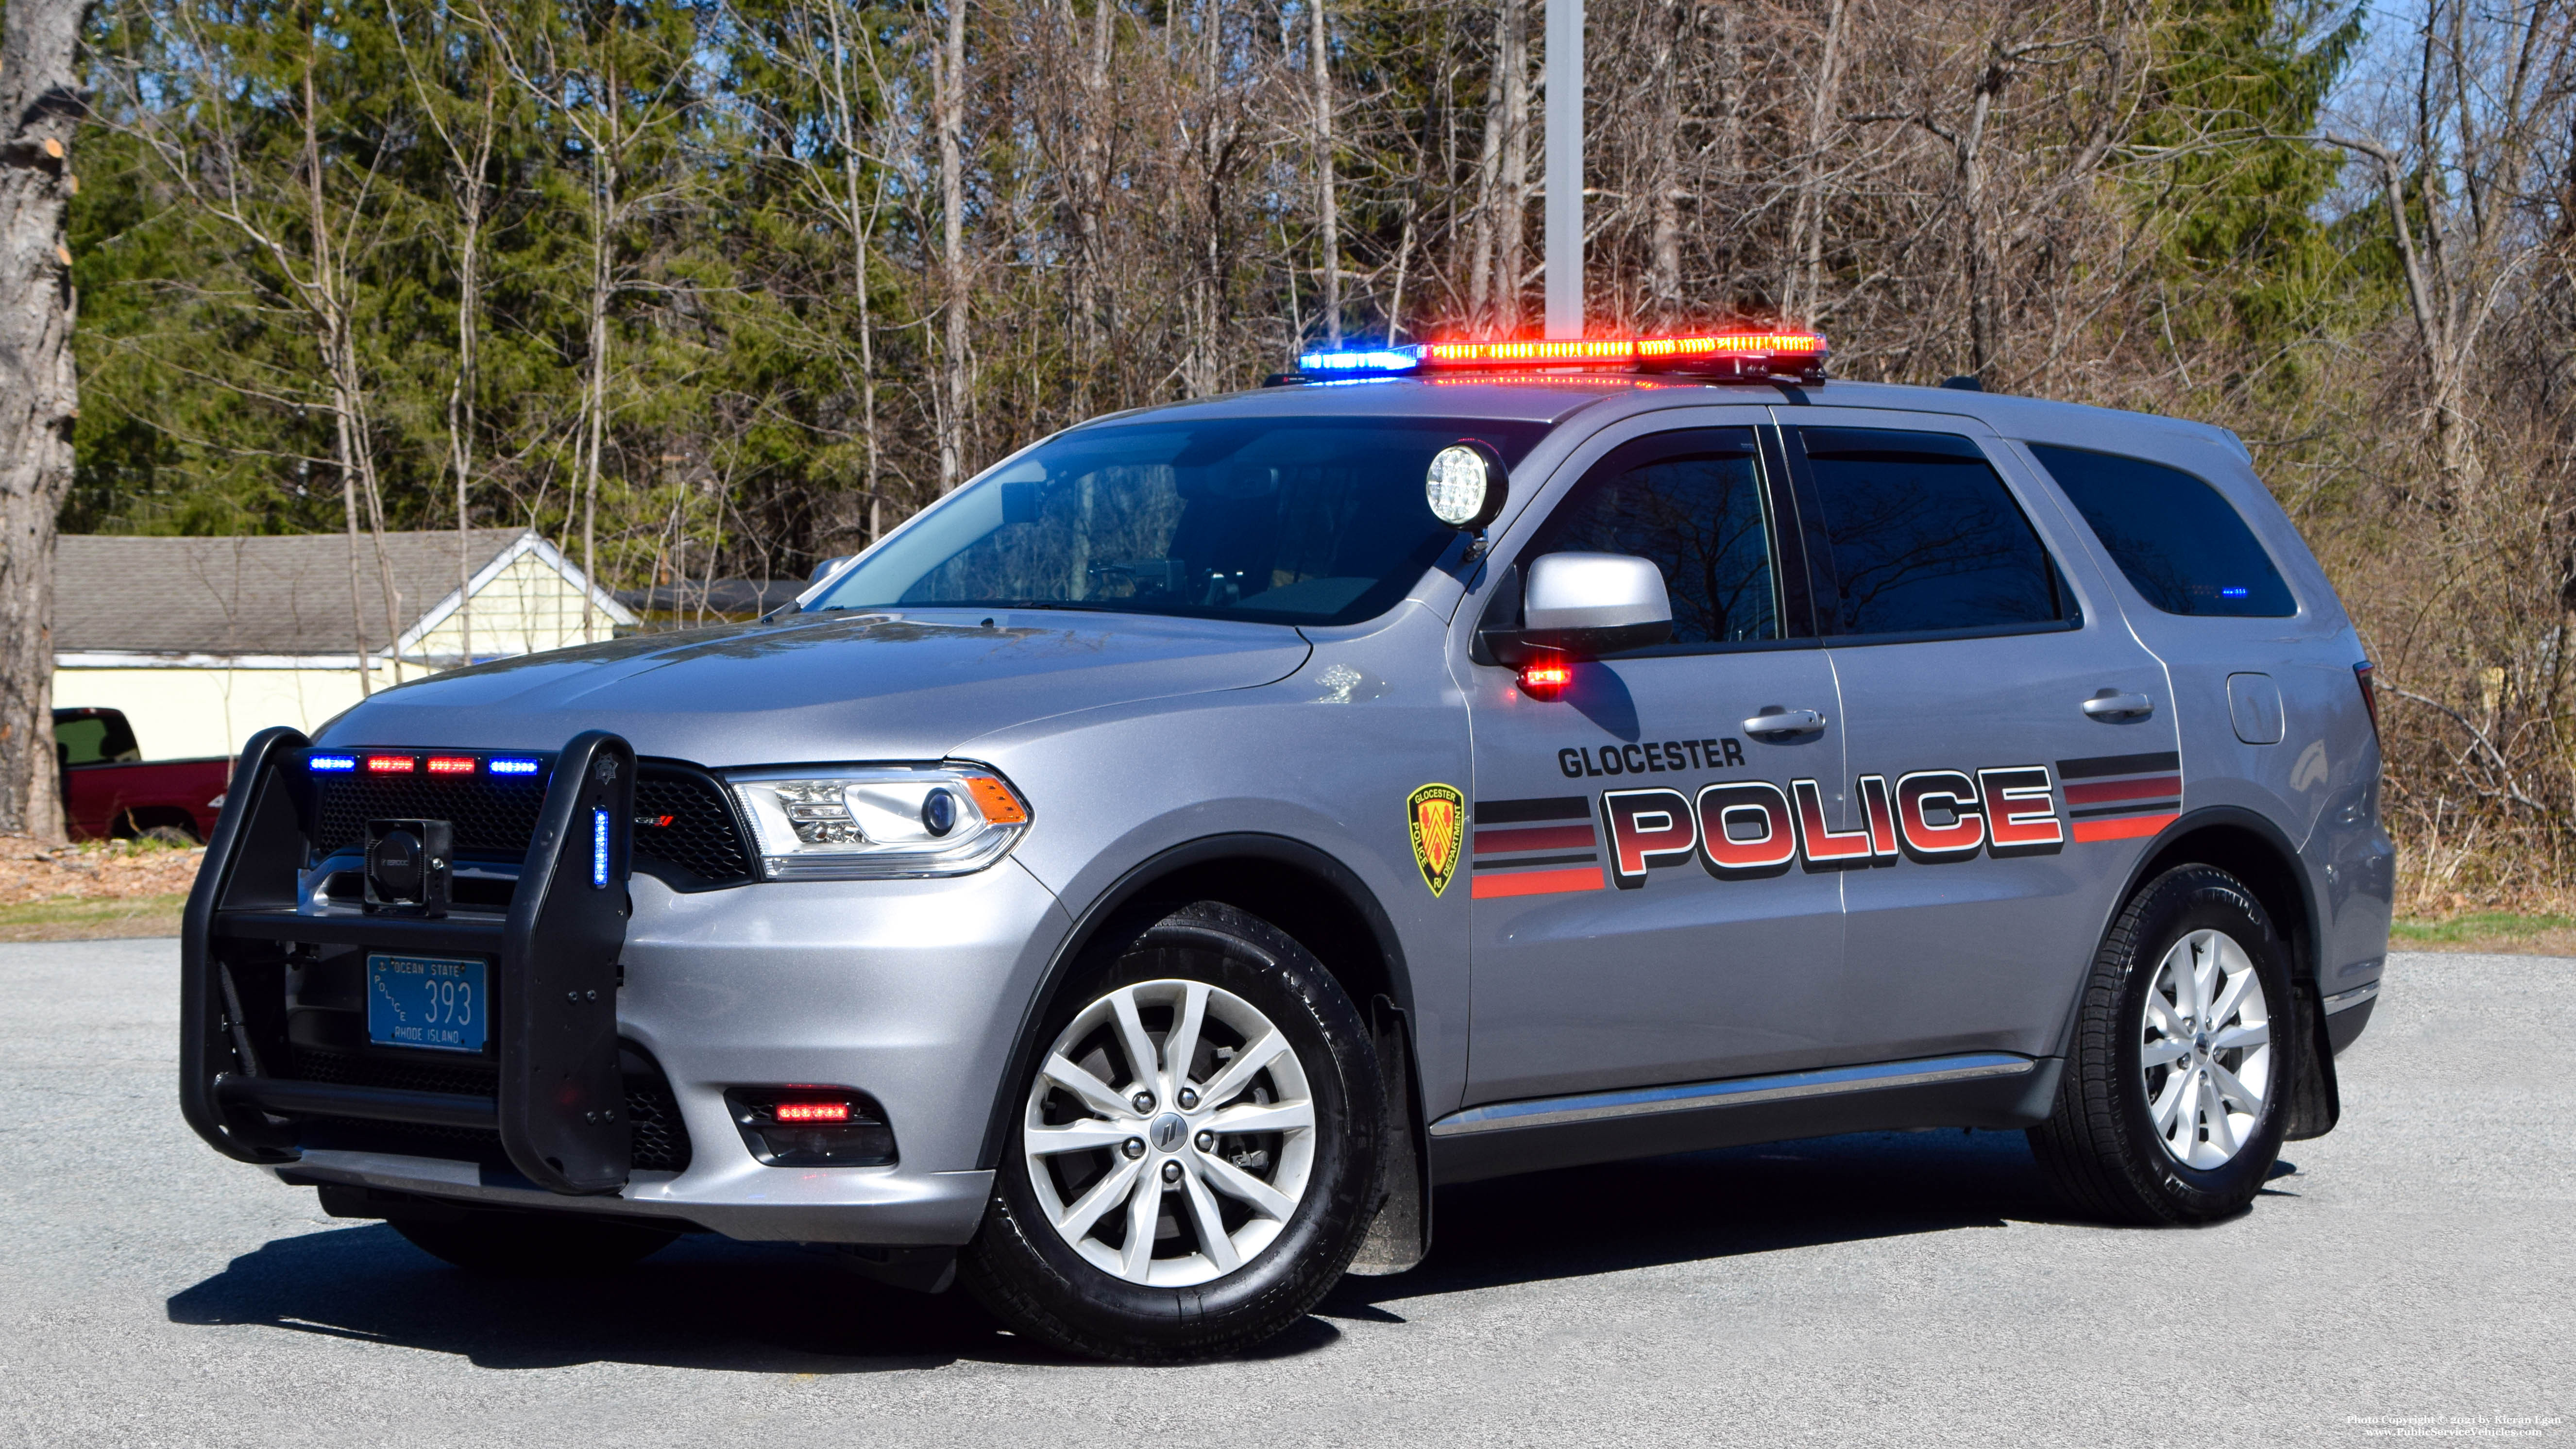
[1226, 1267]
[535, 1245]
[2144, 1130]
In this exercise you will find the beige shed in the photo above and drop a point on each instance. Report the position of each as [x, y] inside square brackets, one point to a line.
[203, 642]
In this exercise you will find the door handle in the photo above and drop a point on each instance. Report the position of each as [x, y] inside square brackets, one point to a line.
[2111, 705]
[1785, 722]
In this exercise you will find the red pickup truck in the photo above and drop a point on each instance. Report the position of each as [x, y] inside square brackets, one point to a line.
[110, 790]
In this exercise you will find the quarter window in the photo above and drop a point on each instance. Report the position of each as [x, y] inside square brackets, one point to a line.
[2180, 543]
[1693, 502]
[1922, 538]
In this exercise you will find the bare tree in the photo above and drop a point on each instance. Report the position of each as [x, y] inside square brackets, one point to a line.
[2489, 90]
[40, 102]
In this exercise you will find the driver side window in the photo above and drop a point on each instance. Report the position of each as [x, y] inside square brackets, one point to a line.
[1693, 502]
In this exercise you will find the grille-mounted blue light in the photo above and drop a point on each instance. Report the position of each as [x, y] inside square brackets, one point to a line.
[513, 767]
[330, 764]
[598, 849]
[1360, 360]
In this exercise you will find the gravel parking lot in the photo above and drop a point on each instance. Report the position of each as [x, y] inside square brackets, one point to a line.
[2408, 1276]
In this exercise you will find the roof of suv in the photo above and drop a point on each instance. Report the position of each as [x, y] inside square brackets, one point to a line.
[1552, 398]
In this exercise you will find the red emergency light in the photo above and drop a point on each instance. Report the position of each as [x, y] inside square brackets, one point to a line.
[391, 764]
[451, 764]
[813, 1111]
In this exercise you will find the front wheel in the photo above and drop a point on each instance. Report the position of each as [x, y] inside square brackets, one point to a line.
[2175, 1092]
[1194, 1156]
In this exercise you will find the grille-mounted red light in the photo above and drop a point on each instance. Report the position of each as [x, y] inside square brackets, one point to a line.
[391, 764]
[451, 764]
[812, 1111]
[1546, 678]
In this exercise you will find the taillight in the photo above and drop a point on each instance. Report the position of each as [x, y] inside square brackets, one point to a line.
[2369, 694]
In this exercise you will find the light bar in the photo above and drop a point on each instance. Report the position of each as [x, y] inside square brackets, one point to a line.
[1361, 360]
[451, 764]
[1753, 356]
[330, 764]
[391, 764]
[514, 767]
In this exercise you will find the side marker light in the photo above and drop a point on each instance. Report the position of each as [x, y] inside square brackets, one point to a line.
[1546, 678]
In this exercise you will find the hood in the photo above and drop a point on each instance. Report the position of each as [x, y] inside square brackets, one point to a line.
[876, 686]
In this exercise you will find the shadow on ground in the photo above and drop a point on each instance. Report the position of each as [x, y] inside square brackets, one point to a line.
[711, 1303]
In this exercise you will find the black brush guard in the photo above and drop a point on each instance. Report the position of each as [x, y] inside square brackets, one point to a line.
[560, 1108]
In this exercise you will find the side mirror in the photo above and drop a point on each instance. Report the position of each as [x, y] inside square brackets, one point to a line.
[1587, 604]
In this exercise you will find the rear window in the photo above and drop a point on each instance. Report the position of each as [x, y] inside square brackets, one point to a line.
[2181, 544]
[1924, 538]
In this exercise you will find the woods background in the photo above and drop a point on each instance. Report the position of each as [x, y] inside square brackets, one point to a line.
[724, 288]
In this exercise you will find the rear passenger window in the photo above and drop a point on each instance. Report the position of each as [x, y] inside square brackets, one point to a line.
[1692, 502]
[2180, 543]
[1922, 538]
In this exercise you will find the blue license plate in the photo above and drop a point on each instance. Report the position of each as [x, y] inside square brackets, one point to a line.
[438, 1002]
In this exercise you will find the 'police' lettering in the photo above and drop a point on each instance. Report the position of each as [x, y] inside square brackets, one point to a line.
[1744, 830]
[1647, 828]
[2021, 812]
[1924, 794]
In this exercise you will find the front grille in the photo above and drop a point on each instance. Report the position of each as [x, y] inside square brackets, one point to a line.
[497, 815]
[701, 837]
[490, 813]
[661, 1139]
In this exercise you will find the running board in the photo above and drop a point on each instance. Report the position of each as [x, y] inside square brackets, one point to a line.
[1980, 1089]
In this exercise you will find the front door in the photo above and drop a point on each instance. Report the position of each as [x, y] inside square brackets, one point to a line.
[1640, 915]
[2004, 794]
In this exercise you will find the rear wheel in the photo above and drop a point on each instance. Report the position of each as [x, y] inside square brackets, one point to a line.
[534, 1244]
[1194, 1156]
[2174, 1096]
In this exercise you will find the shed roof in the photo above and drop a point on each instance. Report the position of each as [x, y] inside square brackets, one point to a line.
[284, 594]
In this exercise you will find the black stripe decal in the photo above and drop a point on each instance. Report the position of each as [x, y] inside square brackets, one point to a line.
[1513, 812]
[1586, 858]
[2098, 766]
[2142, 807]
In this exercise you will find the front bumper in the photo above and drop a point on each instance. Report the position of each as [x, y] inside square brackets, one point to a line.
[911, 991]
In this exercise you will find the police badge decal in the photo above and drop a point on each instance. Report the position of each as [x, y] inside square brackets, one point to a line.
[1438, 817]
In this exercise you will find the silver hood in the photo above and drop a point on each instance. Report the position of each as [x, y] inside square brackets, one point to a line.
[876, 686]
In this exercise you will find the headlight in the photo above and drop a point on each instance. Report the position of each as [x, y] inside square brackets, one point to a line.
[876, 821]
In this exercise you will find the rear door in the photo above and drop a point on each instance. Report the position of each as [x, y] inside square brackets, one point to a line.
[1639, 917]
[2010, 744]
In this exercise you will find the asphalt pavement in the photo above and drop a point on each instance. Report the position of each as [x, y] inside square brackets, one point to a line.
[2409, 1276]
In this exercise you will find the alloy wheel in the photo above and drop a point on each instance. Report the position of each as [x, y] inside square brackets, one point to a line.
[1170, 1133]
[2206, 1049]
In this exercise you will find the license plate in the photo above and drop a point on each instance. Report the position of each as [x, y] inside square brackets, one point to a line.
[438, 1002]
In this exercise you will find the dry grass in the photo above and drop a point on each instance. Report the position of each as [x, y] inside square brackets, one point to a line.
[94, 890]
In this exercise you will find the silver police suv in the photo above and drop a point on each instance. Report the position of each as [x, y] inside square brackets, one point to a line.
[1135, 883]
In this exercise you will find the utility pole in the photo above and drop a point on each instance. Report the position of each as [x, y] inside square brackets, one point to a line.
[1564, 170]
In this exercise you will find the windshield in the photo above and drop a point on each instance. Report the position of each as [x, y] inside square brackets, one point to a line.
[1289, 520]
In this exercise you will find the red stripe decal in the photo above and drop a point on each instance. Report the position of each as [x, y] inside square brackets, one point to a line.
[2151, 787]
[1553, 837]
[1537, 882]
[2123, 827]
